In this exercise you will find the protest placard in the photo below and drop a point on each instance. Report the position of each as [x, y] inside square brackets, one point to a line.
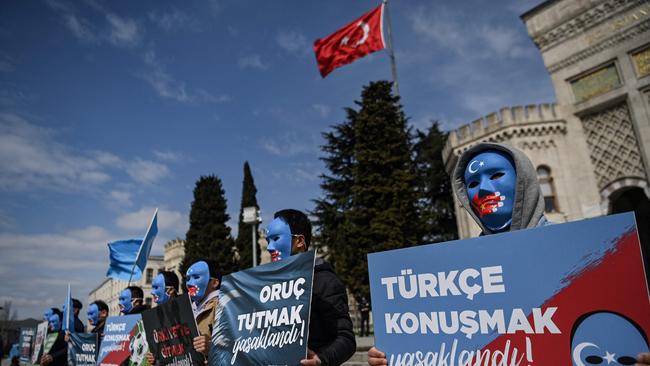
[39, 339]
[26, 342]
[124, 342]
[263, 314]
[170, 330]
[561, 294]
[82, 349]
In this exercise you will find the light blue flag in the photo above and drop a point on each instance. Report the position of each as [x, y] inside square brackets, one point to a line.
[147, 243]
[122, 255]
[68, 317]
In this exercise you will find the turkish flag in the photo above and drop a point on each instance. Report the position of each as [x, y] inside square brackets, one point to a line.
[363, 36]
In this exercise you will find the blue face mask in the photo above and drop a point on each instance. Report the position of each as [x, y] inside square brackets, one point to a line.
[125, 302]
[606, 338]
[278, 234]
[198, 277]
[93, 314]
[158, 290]
[54, 323]
[47, 314]
[491, 179]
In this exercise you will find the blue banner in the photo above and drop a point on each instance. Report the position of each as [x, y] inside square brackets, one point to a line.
[562, 294]
[124, 342]
[147, 244]
[82, 349]
[263, 314]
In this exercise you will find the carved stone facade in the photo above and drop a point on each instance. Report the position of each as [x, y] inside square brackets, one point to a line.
[592, 149]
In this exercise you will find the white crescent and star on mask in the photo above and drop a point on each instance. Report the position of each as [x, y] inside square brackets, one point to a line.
[366, 30]
[577, 353]
[471, 165]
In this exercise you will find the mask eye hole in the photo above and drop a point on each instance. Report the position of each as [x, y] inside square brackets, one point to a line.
[626, 360]
[497, 175]
[594, 360]
[472, 185]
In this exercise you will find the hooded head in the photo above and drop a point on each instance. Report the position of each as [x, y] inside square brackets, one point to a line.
[164, 287]
[515, 201]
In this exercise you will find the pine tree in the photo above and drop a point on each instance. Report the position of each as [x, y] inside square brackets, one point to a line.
[245, 234]
[336, 186]
[382, 212]
[436, 203]
[208, 236]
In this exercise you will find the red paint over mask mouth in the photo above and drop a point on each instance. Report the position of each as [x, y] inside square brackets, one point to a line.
[275, 256]
[487, 204]
[192, 290]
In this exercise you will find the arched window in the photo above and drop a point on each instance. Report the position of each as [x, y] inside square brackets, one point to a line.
[546, 184]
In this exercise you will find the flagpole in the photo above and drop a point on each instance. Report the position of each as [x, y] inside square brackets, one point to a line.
[391, 51]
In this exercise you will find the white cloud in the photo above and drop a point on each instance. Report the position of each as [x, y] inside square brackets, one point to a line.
[123, 31]
[167, 86]
[168, 155]
[252, 61]
[322, 110]
[290, 144]
[170, 223]
[174, 20]
[80, 28]
[32, 158]
[293, 42]
[121, 198]
[6, 63]
[146, 171]
[468, 38]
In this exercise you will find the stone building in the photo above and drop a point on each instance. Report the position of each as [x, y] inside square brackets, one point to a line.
[109, 290]
[592, 149]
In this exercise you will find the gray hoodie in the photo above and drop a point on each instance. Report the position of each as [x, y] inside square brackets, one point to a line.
[528, 208]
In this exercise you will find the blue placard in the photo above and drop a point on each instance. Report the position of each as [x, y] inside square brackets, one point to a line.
[263, 314]
[82, 349]
[124, 342]
[544, 296]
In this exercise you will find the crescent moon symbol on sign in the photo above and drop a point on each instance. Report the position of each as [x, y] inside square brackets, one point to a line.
[470, 167]
[578, 350]
[366, 31]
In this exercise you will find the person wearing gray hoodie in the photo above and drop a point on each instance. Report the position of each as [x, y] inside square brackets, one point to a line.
[497, 185]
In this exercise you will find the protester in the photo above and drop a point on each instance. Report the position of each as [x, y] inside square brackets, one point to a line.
[364, 311]
[131, 301]
[47, 314]
[163, 288]
[78, 324]
[15, 361]
[57, 355]
[331, 338]
[203, 280]
[497, 185]
[97, 314]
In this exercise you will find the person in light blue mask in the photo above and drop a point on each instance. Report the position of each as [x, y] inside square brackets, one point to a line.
[331, 339]
[131, 301]
[97, 314]
[203, 280]
[57, 355]
[164, 287]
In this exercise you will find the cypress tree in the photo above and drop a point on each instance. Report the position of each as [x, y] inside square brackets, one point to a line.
[245, 234]
[382, 211]
[208, 236]
[436, 203]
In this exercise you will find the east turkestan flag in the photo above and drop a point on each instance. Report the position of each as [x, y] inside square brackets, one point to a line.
[128, 258]
[361, 37]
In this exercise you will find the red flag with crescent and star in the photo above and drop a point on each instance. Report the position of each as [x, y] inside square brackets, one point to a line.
[361, 37]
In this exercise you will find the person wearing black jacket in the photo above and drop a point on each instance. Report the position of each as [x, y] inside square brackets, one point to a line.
[131, 301]
[97, 314]
[331, 339]
[78, 324]
[57, 355]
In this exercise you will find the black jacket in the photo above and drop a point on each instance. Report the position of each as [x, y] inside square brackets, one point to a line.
[138, 309]
[330, 327]
[99, 329]
[59, 351]
[79, 325]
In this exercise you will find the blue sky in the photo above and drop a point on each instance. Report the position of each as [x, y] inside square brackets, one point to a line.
[110, 109]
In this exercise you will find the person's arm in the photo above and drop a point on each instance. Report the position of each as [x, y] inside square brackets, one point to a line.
[336, 308]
